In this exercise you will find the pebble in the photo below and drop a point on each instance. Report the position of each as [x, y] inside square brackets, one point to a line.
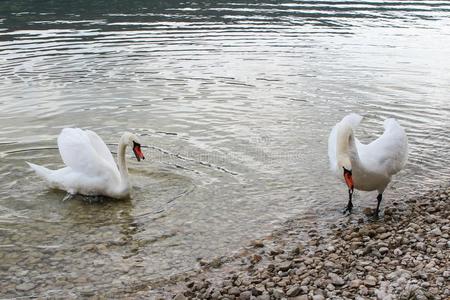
[234, 291]
[27, 286]
[358, 260]
[179, 297]
[383, 250]
[355, 283]
[285, 266]
[398, 252]
[370, 281]
[336, 279]
[420, 246]
[247, 295]
[436, 232]
[278, 293]
[263, 297]
[293, 291]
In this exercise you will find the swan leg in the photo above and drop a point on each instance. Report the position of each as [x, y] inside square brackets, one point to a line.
[349, 204]
[379, 198]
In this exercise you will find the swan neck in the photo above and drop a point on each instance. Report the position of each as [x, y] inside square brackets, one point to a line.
[122, 163]
[346, 145]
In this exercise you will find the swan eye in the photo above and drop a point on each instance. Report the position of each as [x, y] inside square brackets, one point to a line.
[347, 171]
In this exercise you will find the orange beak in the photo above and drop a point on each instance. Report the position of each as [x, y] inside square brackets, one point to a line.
[348, 179]
[137, 151]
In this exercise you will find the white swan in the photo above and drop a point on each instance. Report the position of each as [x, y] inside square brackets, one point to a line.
[366, 167]
[90, 168]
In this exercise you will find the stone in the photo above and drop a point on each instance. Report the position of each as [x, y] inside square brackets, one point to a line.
[302, 297]
[258, 290]
[383, 250]
[293, 291]
[278, 294]
[285, 266]
[420, 246]
[245, 295]
[370, 281]
[234, 291]
[384, 236]
[255, 258]
[26, 286]
[179, 297]
[216, 295]
[257, 244]
[368, 211]
[363, 290]
[336, 279]
[398, 252]
[436, 231]
[355, 283]
[318, 297]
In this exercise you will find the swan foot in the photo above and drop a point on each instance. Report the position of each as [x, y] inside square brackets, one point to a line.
[348, 208]
[68, 196]
[349, 204]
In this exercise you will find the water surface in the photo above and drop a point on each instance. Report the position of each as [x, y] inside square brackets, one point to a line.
[234, 103]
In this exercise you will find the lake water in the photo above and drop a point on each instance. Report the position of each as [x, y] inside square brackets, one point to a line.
[233, 101]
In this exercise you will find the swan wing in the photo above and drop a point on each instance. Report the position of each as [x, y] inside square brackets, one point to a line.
[78, 153]
[352, 121]
[389, 152]
[332, 140]
[102, 150]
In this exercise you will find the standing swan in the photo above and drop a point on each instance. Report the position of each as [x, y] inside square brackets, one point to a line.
[90, 168]
[366, 167]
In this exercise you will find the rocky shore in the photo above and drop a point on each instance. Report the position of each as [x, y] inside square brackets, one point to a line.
[405, 254]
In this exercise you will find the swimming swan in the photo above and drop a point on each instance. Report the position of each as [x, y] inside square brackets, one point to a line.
[90, 168]
[366, 167]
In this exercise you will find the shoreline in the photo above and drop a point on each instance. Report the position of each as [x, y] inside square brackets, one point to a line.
[405, 254]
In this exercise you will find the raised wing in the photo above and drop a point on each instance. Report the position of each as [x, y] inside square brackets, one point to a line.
[101, 148]
[390, 150]
[78, 153]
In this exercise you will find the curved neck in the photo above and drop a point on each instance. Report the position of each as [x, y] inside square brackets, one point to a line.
[346, 145]
[122, 163]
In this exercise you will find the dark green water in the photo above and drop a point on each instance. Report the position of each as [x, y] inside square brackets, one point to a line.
[234, 102]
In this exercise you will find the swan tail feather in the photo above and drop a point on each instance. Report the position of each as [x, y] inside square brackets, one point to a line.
[352, 120]
[40, 170]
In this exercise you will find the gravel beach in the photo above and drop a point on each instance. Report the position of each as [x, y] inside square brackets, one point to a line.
[405, 254]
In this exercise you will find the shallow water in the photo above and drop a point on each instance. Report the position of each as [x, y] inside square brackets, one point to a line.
[234, 103]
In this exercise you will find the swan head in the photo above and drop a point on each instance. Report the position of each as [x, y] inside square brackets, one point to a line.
[345, 163]
[132, 140]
